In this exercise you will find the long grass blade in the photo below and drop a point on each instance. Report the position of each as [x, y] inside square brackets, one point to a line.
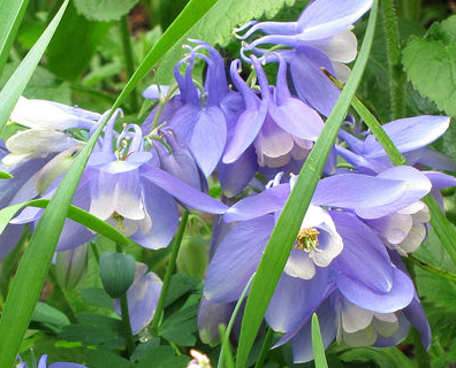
[11, 17]
[18, 81]
[317, 344]
[287, 227]
[33, 268]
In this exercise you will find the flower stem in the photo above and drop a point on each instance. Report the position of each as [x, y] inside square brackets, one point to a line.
[169, 271]
[129, 62]
[267, 342]
[397, 81]
[126, 324]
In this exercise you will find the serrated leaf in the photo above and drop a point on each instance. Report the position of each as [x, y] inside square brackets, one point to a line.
[430, 63]
[284, 233]
[216, 27]
[384, 358]
[104, 10]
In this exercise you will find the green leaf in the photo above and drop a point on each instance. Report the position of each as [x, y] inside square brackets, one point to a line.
[216, 27]
[430, 63]
[103, 359]
[50, 317]
[5, 175]
[18, 81]
[70, 52]
[10, 19]
[162, 357]
[317, 344]
[26, 286]
[104, 10]
[75, 213]
[284, 234]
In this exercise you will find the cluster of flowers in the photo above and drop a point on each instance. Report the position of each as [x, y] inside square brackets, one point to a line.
[365, 213]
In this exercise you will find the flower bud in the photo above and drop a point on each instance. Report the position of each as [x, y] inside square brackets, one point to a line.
[117, 273]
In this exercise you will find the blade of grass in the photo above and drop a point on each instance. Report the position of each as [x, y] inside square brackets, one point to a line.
[5, 175]
[287, 227]
[74, 213]
[21, 76]
[10, 19]
[317, 344]
[32, 270]
[225, 351]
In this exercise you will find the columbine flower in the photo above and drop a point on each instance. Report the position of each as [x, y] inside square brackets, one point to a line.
[142, 298]
[327, 254]
[320, 39]
[123, 184]
[280, 126]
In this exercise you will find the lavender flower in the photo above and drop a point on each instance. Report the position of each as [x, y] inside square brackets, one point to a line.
[42, 363]
[320, 38]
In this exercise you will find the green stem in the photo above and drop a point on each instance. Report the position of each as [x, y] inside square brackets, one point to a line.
[126, 324]
[175, 246]
[96, 253]
[433, 269]
[129, 62]
[69, 308]
[396, 77]
[267, 342]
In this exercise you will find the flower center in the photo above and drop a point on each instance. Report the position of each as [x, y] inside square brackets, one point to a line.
[307, 240]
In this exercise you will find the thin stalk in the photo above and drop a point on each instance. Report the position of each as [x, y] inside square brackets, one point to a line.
[433, 269]
[128, 333]
[396, 77]
[95, 251]
[69, 308]
[129, 61]
[175, 246]
[267, 342]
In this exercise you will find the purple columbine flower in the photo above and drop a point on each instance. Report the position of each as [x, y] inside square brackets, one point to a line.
[335, 249]
[142, 298]
[320, 39]
[124, 184]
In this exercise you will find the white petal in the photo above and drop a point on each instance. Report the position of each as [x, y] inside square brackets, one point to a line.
[342, 71]
[422, 217]
[299, 265]
[355, 318]
[342, 48]
[414, 239]
[39, 142]
[366, 337]
[413, 208]
[386, 328]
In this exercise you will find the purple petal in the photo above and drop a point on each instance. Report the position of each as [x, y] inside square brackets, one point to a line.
[399, 297]
[210, 316]
[269, 201]
[415, 314]
[311, 84]
[439, 180]
[236, 176]
[236, 259]
[9, 239]
[409, 134]
[325, 18]
[362, 248]
[183, 192]
[162, 217]
[295, 299]
[208, 139]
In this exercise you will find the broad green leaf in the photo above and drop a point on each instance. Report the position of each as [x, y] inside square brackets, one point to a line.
[216, 27]
[317, 344]
[103, 359]
[70, 52]
[74, 213]
[430, 63]
[5, 175]
[11, 15]
[284, 234]
[33, 268]
[104, 10]
[162, 357]
[18, 81]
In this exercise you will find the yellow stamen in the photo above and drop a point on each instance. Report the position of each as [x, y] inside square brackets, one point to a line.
[307, 239]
